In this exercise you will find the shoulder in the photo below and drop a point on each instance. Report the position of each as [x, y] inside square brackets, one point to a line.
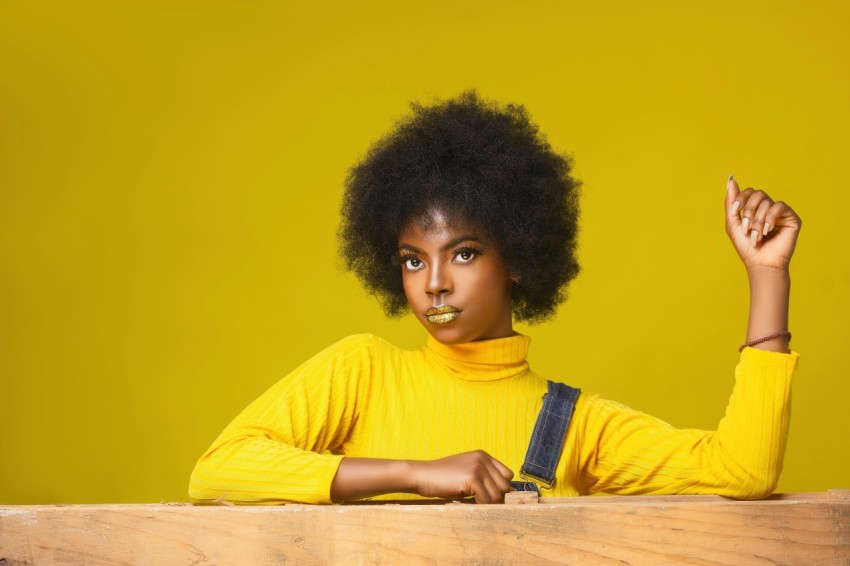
[361, 342]
[356, 341]
[367, 348]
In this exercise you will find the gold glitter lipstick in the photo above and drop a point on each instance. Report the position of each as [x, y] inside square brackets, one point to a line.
[442, 315]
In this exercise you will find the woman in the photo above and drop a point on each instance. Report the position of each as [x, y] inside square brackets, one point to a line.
[465, 216]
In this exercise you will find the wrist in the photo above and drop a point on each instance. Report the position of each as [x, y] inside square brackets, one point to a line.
[769, 281]
[770, 291]
[410, 470]
[768, 272]
[777, 342]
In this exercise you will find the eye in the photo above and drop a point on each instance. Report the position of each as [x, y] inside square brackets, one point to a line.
[465, 255]
[411, 263]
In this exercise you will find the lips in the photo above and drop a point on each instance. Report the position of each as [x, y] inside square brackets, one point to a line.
[442, 315]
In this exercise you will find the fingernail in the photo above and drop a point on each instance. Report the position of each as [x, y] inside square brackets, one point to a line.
[766, 229]
[754, 237]
[746, 224]
[731, 178]
[735, 206]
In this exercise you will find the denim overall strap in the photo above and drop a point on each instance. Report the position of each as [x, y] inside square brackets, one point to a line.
[547, 439]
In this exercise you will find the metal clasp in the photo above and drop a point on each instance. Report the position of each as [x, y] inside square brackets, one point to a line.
[540, 481]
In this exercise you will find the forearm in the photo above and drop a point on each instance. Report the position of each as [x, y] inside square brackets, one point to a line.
[357, 478]
[476, 474]
[749, 445]
[769, 295]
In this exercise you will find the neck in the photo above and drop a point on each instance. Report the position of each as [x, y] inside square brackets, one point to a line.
[483, 360]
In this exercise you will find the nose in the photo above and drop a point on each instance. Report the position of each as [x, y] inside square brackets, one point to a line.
[439, 282]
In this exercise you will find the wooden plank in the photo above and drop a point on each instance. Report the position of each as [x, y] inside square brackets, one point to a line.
[789, 529]
[521, 497]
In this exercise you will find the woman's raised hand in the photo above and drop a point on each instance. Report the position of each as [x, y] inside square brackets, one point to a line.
[763, 232]
[467, 474]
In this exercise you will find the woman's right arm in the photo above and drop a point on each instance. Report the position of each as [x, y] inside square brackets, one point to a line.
[276, 449]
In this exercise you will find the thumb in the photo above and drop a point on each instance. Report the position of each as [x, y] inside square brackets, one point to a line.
[732, 191]
[732, 206]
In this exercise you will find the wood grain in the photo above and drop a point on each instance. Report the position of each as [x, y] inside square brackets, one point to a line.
[521, 497]
[805, 528]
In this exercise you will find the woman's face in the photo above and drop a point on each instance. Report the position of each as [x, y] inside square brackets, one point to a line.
[456, 284]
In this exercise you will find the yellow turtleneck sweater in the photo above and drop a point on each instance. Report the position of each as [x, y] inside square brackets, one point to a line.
[363, 397]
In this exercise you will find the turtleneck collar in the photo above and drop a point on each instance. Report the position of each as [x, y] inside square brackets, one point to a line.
[485, 360]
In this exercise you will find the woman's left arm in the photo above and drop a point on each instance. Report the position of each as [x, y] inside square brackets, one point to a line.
[764, 234]
[635, 453]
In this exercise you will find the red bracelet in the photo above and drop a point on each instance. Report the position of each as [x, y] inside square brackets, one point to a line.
[765, 339]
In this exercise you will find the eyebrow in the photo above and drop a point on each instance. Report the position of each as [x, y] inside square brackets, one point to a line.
[446, 246]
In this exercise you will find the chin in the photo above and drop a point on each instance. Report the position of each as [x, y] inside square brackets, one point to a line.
[448, 338]
[453, 336]
[448, 335]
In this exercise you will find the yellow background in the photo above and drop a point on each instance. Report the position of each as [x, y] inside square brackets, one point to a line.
[170, 174]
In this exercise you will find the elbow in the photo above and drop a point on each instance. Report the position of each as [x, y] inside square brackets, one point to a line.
[196, 495]
[751, 491]
[746, 475]
[212, 479]
[202, 486]
[758, 487]
[197, 492]
[750, 484]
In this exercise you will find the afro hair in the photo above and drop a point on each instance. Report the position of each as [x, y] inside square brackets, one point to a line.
[485, 163]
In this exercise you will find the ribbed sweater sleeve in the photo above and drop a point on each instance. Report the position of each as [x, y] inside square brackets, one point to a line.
[276, 449]
[628, 452]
